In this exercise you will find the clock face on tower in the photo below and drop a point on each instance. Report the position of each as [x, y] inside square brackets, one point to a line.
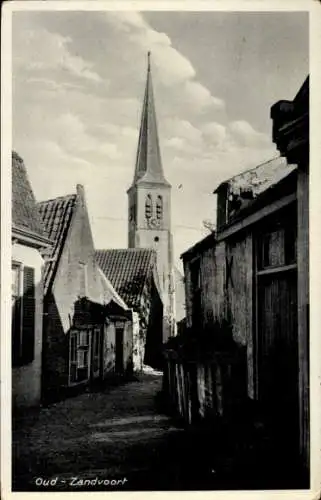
[153, 223]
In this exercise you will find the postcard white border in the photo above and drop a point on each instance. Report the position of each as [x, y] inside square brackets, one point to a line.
[314, 7]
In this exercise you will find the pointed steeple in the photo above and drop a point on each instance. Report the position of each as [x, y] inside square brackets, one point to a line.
[148, 160]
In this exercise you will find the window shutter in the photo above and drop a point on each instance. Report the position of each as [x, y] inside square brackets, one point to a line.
[28, 315]
[16, 331]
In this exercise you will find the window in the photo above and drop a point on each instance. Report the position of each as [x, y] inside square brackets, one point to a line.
[73, 347]
[16, 313]
[148, 207]
[82, 359]
[73, 357]
[290, 243]
[277, 248]
[159, 208]
[23, 314]
[273, 249]
[79, 355]
[83, 338]
[15, 282]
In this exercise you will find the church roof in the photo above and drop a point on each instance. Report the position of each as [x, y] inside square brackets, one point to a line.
[148, 160]
[127, 269]
[24, 207]
[56, 216]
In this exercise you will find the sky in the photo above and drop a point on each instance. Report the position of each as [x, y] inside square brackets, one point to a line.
[78, 85]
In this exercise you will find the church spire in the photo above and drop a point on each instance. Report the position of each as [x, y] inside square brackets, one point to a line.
[148, 160]
[148, 63]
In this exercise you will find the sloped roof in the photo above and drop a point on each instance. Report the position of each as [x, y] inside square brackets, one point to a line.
[24, 207]
[259, 179]
[127, 270]
[56, 215]
[109, 292]
[250, 185]
[281, 185]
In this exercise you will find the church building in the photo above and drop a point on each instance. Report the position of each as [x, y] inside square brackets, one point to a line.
[149, 206]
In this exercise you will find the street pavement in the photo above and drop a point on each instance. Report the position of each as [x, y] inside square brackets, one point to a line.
[114, 439]
[119, 439]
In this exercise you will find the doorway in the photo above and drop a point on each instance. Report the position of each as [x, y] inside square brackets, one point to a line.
[277, 330]
[96, 353]
[119, 362]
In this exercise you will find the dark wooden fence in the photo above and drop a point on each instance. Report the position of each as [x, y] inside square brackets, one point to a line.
[205, 388]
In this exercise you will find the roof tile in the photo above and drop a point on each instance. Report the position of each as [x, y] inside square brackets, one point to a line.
[56, 216]
[24, 208]
[127, 270]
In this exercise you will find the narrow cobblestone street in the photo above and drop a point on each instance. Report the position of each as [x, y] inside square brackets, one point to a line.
[115, 438]
[118, 438]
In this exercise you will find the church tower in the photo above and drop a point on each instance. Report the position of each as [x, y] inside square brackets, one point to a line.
[149, 205]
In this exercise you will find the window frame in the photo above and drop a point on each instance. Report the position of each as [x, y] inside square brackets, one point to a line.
[148, 206]
[18, 310]
[264, 239]
[82, 348]
[159, 207]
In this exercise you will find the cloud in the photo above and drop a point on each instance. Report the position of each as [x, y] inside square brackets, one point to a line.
[183, 128]
[245, 135]
[211, 138]
[50, 52]
[214, 133]
[76, 113]
[201, 97]
[234, 135]
[172, 69]
[183, 137]
[125, 19]
[52, 85]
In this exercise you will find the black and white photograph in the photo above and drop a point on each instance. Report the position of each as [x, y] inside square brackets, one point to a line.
[159, 331]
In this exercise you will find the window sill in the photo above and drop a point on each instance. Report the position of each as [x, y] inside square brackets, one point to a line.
[277, 269]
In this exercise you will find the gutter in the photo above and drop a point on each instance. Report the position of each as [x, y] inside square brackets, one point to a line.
[30, 238]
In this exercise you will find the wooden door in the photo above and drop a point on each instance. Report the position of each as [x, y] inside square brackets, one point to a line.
[96, 353]
[119, 349]
[278, 347]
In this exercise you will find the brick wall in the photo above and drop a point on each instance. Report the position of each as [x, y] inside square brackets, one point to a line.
[55, 351]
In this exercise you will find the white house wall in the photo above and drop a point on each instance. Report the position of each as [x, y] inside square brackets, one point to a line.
[26, 380]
